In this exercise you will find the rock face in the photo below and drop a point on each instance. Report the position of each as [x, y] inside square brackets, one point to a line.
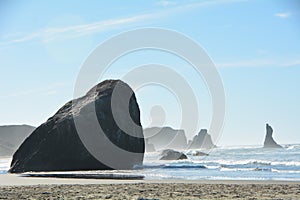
[56, 145]
[170, 154]
[12, 136]
[269, 141]
[166, 137]
[202, 141]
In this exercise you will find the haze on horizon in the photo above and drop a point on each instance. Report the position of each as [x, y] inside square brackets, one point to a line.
[254, 44]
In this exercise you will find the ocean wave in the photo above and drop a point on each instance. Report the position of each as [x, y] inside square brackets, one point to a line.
[287, 163]
[286, 171]
[235, 169]
[251, 162]
[291, 147]
[215, 164]
[171, 166]
[184, 167]
[236, 162]
[212, 166]
[246, 169]
[259, 170]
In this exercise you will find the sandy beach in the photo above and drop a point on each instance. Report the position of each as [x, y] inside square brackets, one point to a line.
[153, 191]
[15, 187]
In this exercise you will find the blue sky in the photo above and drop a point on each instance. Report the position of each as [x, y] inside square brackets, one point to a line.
[254, 44]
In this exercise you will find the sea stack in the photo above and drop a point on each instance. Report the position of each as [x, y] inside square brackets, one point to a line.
[166, 138]
[56, 145]
[201, 141]
[269, 141]
[148, 146]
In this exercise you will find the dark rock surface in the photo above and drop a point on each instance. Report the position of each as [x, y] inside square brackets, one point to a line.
[269, 141]
[169, 154]
[12, 136]
[56, 146]
[166, 138]
[202, 141]
[122, 176]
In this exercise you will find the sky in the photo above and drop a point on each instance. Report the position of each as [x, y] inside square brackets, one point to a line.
[254, 45]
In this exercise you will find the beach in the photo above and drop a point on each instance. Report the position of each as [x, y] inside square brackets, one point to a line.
[16, 187]
[154, 191]
[238, 173]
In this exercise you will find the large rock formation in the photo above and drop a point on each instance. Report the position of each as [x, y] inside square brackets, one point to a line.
[12, 136]
[56, 145]
[169, 154]
[166, 138]
[202, 141]
[269, 141]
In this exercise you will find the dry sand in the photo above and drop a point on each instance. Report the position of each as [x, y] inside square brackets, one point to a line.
[52, 188]
[153, 191]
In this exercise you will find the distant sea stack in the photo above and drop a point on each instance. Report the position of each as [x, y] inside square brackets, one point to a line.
[166, 138]
[269, 141]
[148, 146]
[12, 136]
[201, 141]
[56, 146]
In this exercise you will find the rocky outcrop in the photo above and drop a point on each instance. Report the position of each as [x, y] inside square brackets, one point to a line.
[202, 141]
[56, 145]
[169, 154]
[166, 138]
[197, 153]
[12, 136]
[269, 141]
[148, 146]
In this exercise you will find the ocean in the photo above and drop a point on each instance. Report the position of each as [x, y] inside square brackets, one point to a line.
[223, 163]
[4, 164]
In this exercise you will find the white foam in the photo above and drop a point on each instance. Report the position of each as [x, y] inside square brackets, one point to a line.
[250, 162]
[286, 171]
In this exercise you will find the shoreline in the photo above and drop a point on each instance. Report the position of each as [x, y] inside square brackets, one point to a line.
[20, 180]
[15, 186]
